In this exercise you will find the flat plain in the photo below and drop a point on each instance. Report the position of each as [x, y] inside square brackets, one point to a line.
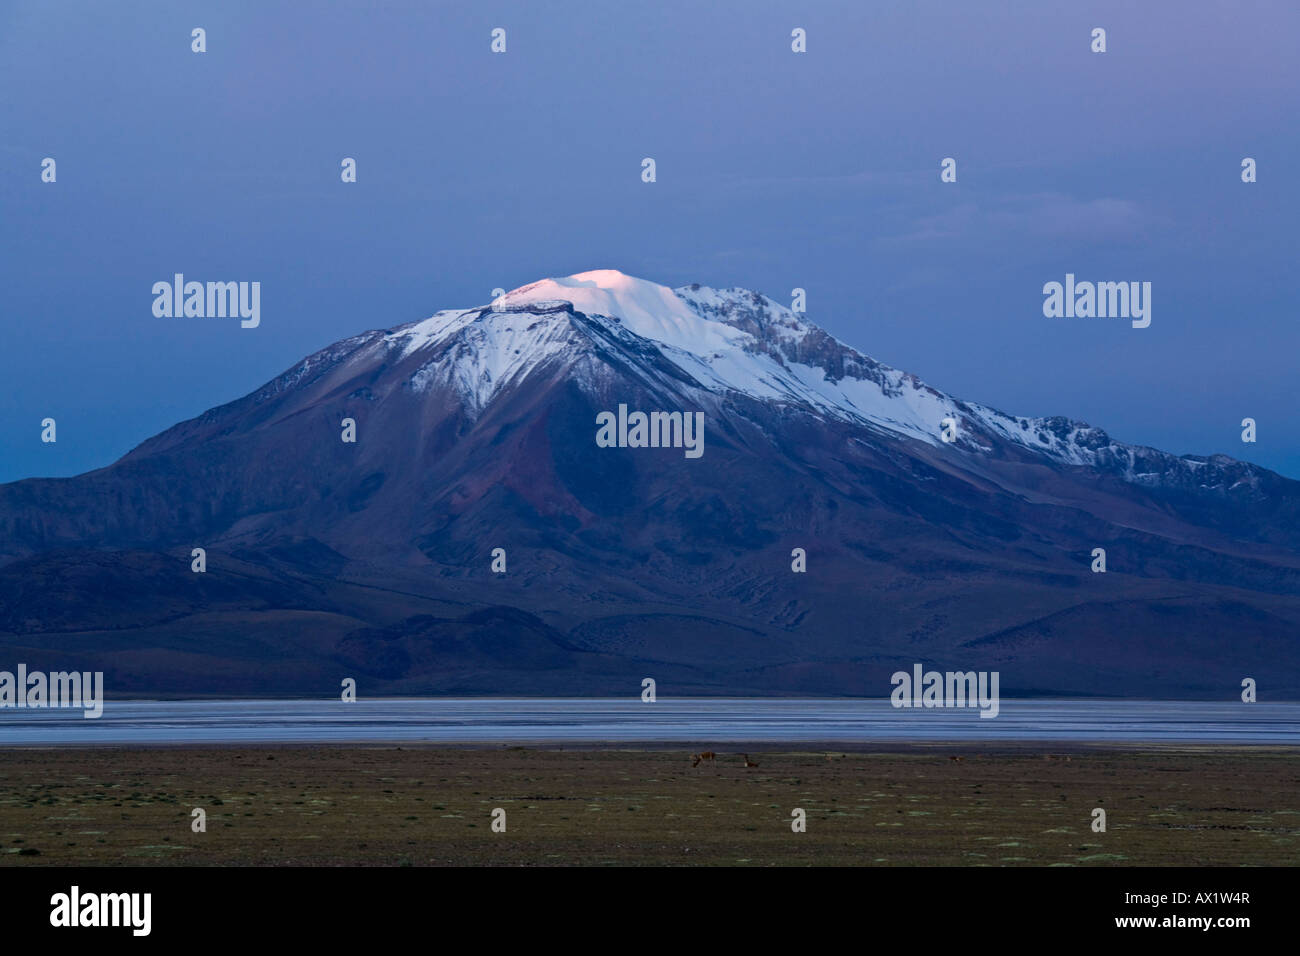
[385, 805]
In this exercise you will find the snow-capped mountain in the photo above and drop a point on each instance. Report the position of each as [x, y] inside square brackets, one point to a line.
[475, 442]
[724, 341]
[734, 341]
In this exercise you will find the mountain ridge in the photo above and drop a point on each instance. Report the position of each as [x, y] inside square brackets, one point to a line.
[475, 430]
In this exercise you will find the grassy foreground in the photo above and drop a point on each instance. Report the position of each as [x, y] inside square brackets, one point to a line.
[390, 806]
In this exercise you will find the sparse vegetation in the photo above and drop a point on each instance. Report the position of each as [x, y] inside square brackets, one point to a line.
[348, 805]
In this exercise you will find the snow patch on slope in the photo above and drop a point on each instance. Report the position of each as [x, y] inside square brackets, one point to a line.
[479, 352]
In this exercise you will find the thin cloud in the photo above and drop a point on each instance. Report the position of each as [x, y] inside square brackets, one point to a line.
[1052, 216]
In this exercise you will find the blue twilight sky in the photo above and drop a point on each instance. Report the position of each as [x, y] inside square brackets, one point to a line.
[775, 170]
